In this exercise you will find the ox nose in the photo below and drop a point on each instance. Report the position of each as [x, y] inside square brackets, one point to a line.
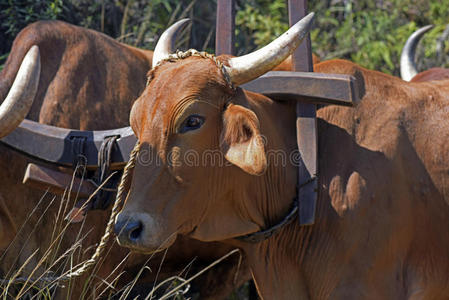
[128, 230]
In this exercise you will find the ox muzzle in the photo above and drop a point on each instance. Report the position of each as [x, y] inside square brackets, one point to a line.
[142, 232]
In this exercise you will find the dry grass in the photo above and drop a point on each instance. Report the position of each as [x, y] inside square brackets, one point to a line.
[41, 275]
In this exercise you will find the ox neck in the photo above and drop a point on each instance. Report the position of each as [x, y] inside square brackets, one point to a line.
[262, 235]
[276, 261]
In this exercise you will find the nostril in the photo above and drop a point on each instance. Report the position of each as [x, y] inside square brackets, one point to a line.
[135, 230]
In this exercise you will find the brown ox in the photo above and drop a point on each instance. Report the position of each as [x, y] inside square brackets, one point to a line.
[382, 216]
[87, 81]
[409, 71]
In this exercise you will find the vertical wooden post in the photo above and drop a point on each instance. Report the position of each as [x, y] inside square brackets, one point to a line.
[302, 57]
[306, 126]
[224, 32]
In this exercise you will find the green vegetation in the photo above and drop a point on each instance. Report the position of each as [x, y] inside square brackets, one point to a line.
[368, 32]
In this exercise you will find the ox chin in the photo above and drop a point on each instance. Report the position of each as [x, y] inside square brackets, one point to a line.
[142, 233]
[148, 249]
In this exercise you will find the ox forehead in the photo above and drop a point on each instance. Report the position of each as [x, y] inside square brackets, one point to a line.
[176, 84]
[193, 76]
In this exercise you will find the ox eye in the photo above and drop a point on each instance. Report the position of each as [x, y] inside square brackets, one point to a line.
[192, 122]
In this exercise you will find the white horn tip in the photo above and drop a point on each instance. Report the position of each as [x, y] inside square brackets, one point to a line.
[408, 67]
[305, 22]
[22, 92]
[250, 66]
[166, 43]
[33, 54]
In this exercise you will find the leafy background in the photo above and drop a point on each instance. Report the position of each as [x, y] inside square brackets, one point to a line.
[368, 32]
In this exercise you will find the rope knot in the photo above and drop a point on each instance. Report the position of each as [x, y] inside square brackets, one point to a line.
[179, 55]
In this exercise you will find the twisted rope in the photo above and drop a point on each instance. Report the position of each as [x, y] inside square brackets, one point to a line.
[104, 239]
[179, 55]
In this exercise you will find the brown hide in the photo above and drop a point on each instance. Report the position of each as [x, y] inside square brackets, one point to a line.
[382, 218]
[88, 81]
[431, 74]
[85, 75]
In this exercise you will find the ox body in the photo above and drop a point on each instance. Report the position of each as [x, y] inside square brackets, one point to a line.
[87, 81]
[382, 213]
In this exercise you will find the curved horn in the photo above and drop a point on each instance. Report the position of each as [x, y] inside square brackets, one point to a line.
[21, 95]
[250, 66]
[408, 66]
[166, 44]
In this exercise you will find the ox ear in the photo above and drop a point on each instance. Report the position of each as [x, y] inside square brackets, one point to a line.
[241, 141]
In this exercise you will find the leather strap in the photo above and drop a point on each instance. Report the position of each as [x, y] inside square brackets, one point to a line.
[262, 235]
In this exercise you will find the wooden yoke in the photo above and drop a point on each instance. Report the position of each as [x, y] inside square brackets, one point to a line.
[306, 125]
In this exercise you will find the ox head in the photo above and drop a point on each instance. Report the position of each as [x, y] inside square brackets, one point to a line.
[199, 142]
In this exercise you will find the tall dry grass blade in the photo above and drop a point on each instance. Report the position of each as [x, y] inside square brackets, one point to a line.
[173, 278]
[23, 225]
[58, 216]
[167, 295]
[66, 201]
[41, 278]
[186, 270]
[125, 288]
[160, 267]
[16, 275]
[129, 288]
[112, 273]
[83, 267]
[45, 256]
[158, 271]
[113, 284]
[95, 268]
[68, 253]
[28, 238]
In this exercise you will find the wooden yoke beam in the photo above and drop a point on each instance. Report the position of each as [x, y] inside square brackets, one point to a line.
[306, 126]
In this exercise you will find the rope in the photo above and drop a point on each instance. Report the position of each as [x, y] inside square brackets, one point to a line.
[107, 234]
[115, 210]
[179, 55]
